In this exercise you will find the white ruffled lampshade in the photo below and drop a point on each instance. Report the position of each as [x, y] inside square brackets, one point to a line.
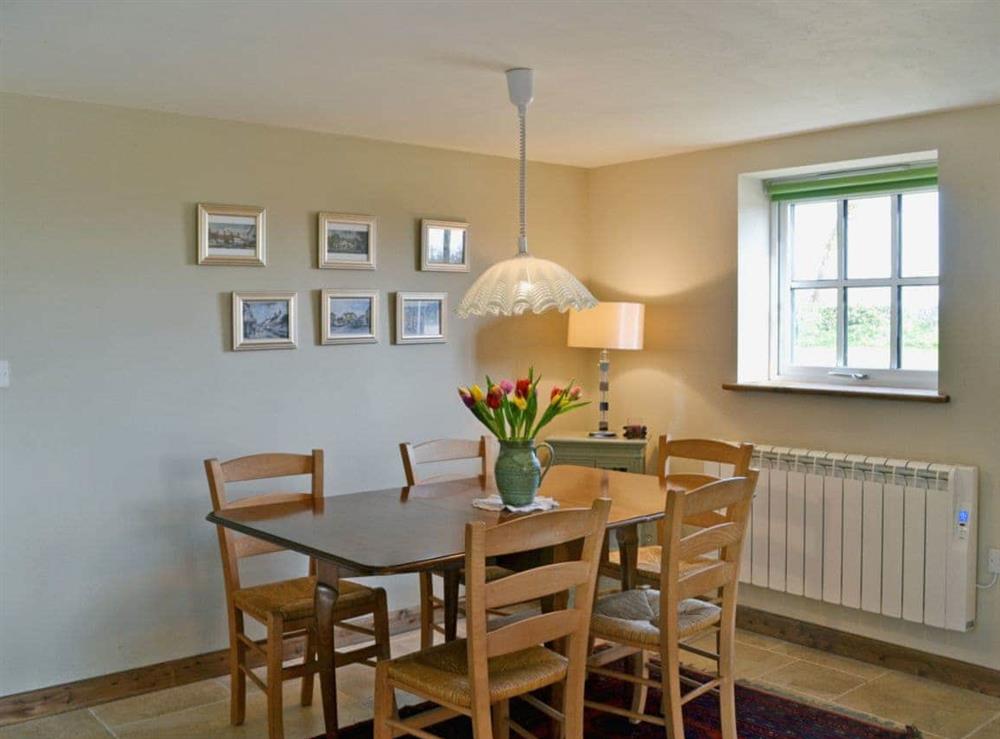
[524, 283]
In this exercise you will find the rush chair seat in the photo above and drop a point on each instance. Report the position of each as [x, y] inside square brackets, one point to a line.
[662, 621]
[443, 671]
[293, 599]
[478, 675]
[284, 607]
[738, 456]
[440, 451]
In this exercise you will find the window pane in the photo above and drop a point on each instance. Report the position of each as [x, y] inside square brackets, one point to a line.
[919, 328]
[868, 327]
[814, 327]
[869, 237]
[919, 232]
[814, 241]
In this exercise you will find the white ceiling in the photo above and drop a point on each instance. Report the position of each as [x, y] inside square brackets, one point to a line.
[614, 80]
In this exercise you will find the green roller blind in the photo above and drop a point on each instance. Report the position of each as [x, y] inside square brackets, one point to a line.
[837, 186]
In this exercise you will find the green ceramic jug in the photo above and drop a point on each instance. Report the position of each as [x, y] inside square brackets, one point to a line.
[518, 471]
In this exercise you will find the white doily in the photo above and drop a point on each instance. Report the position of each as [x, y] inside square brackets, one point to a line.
[494, 503]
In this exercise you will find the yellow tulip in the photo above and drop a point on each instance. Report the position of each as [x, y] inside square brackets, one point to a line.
[477, 393]
[519, 402]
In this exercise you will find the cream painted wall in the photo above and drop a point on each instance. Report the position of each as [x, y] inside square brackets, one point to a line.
[122, 376]
[664, 231]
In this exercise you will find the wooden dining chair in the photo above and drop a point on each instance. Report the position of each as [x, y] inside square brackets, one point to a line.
[415, 457]
[662, 621]
[284, 607]
[485, 670]
[736, 456]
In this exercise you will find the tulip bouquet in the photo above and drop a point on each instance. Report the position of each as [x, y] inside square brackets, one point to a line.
[509, 409]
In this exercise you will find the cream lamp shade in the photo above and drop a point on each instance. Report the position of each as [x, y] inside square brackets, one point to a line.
[607, 326]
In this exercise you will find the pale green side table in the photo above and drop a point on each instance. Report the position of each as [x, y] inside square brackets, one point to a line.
[624, 455]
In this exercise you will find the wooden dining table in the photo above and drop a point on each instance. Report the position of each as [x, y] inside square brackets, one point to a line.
[422, 527]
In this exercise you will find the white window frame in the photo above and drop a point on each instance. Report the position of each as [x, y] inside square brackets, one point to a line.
[782, 370]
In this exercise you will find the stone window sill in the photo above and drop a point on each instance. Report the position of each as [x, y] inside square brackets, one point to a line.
[880, 393]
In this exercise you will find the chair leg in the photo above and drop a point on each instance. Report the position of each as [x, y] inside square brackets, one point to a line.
[671, 686]
[482, 721]
[501, 720]
[275, 628]
[727, 667]
[426, 610]
[384, 701]
[237, 678]
[309, 658]
[573, 689]
[639, 692]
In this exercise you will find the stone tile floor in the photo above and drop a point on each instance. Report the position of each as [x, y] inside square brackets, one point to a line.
[202, 709]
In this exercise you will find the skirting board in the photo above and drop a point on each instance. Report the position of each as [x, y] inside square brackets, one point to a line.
[103, 689]
[891, 656]
[94, 691]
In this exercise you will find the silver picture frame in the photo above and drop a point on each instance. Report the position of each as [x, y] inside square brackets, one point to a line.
[346, 241]
[349, 316]
[234, 235]
[444, 246]
[421, 318]
[265, 320]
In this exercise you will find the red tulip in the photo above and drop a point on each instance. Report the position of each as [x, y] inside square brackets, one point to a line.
[556, 392]
[494, 397]
[523, 388]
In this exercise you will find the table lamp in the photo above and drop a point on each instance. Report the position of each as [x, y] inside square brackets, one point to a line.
[607, 326]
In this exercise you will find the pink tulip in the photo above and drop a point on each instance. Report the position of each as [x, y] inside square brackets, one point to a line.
[507, 386]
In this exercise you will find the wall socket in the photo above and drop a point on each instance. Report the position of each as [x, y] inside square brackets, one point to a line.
[994, 562]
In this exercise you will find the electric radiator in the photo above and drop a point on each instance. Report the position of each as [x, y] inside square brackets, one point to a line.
[889, 536]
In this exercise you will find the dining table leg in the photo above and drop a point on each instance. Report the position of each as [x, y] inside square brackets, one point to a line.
[450, 604]
[327, 592]
[628, 553]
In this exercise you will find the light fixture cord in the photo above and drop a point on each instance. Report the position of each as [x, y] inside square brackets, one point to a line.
[522, 241]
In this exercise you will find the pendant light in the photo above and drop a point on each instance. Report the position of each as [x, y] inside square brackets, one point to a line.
[523, 283]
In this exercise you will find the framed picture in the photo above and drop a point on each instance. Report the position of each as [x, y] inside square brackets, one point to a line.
[444, 246]
[421, 318]
[264, 321]
[349, 316]
[346, 241]
[231, 234]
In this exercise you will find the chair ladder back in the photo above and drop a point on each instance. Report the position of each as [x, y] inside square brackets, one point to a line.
[729, 500]
[573, 570]
[234, 546]
[445, 450]
[700, 450]
[540, 530]
[264, 466]
[704, 450]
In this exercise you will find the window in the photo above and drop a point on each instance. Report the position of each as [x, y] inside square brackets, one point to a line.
[856, 267]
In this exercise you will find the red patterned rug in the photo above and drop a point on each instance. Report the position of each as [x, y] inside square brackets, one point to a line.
[760, 715]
